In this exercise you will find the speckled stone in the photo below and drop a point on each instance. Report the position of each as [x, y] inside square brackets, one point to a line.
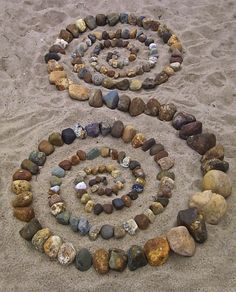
[93, 130]
[167, 112]
[119, 232]
[130, 226]
[94, 232]
[63, 218]
[101, 261]
[37, 157]
[30, 166]
[52, 245]
[117, 259]
[66, 254]
[23, 199]
[40, 238]
[23, 213]
[83, 226]
[83, 260]
[138, 140]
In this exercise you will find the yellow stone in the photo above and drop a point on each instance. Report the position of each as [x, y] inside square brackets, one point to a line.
[169, 71]
[62, 84]
[19, 186]
[56, 75]
[53, 65]
[79, 92]
[81, 25]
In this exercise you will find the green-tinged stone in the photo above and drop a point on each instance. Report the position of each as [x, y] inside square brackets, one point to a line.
[93, 153]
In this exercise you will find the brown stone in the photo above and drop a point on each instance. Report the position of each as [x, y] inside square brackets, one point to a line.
[46, 147]
[124, 103]
[65, 164]
[137, 106]
[161, 78]
[75, 159]
[127, 200]
[114, 154]
[142, 221]
[81, 154]
[79, 92]
[22, 174]
[202, 142]
[111, 73]
[23, 213]
[160, 155]
[216, 152]
[76, 60]
[19, 186]
[56, 75]
[53, 199]
[57, 49]
[87, 77]
[23, 199]
[123, 84]
[73, 29]
[117, 129]
[105, 151]
[66, 35]
[30, 166]
[190, 129]
[129, 133]
[155, 149]
[157, 251]
[108, 208]
[152, 107]
[101, 261]
[62, 84]
[53, 65]
[95, 100]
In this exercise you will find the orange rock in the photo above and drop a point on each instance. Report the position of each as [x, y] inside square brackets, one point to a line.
[22, 174]
[101, 261]
[23, 213]
[157, 251]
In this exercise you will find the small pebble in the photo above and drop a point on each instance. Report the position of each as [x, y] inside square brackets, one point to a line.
[83, 226]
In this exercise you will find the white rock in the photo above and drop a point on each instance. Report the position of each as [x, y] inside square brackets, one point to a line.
[176, 66]
[62, 43]
[81, 186]
[55, 189]
[130, 226]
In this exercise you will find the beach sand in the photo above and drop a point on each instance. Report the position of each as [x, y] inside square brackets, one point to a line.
[31, 108]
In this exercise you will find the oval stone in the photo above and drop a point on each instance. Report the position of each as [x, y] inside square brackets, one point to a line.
[157, 251]
[52, 245]
[101, 261]
[40, 238]
[66, 254]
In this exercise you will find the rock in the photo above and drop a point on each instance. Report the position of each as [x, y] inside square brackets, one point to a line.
[81, 25]
[118, 203]
[169, 71]
[30, 229]
[37, 157]
[157, 208]
[93, 153]
[97, 79]
[125, 34]
[51, 56]
[111, 99]
[105, 151]
[73, 29]
[105, 128]
[152, 107]
[117, 129]
[180, 241]
[160, 154]
[167, 173]
[214, 164]
[142, 221]
[107, 231]
[133, 195]
[190, 129]
[202, 142]
[85, 198]
[127, 200]
[149, 83]
[89, 206]
[166, 36]
[52, 246]
[94, 232]
[53, 199]
[130, 226]
[40, 238]
[87, 77]
[53, 65]
[108, 208]
[218, 182]
[65, 164]
[54, 76]
[119, 232]
[58, 171]
[181, 119]
[117, 259]
[157, 251]
[124, 17]
[194, 222]
[66, 254]
[74, 221]
[63, 218]
[46, 147]
[136, 258]
[175, 66]
[108, 83]
[83, 260]
[123, 84]
[81, 154]
[216, 152]
[113, 19]
[93, 130]
[148, 144]
[101, 19]
[80, 131]
[212, 206]
[101, 261]
[22, 174]
[167, 111]
[123, 103]
[90, 22]
[19, 186]
[57, 208]
[150, 215]
[66, 35]
[137, 106]
[128, 133]
[68, 136]
[161, 78]
[30, 166]
[138, 140]
[55, 181]
[156, 148]
[55, 139]
[166, 163]
[23, 199]
[79, 92]
[83, 226]
[135, 85]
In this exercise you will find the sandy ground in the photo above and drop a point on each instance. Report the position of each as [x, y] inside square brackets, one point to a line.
[30, 109]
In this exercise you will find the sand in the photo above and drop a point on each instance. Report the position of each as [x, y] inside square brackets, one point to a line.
[30, 109]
